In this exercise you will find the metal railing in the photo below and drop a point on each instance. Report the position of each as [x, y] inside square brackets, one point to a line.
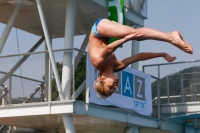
[22, 85]
[179, 81]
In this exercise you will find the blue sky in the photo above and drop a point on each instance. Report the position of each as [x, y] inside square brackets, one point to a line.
[164, 15]
[170, 15]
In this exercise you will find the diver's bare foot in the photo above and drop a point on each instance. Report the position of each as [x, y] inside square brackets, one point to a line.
[178, 41]
[190, 47]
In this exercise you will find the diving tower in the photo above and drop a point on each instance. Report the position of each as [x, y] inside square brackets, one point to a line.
[50, 19]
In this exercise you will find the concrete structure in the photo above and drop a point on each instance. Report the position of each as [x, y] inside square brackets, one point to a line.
[51, 19]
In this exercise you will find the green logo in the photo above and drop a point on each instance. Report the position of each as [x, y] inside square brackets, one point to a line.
[116, 13]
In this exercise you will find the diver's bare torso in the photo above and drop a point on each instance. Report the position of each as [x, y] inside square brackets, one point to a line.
[97, 49]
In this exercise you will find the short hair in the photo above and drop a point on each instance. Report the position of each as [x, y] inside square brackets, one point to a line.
[99, 87]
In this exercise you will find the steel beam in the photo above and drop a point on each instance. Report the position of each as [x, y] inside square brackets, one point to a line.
[48, 42]
[10, 25]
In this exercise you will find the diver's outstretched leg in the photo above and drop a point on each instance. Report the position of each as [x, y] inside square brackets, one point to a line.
[112, 29]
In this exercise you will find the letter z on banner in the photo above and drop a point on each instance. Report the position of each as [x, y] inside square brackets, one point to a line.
[133, 92]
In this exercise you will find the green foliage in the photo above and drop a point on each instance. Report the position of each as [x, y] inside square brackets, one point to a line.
[53, 82]
[80, 76]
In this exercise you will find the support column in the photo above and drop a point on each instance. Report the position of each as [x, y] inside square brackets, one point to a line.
[68, 124]
[49, 81]
[47, 90]
[4, 99]
[135, 130]
[158, 95]
[68, 43]
[135, 50]
[46, 79]
[67, 61]
[10, 24]
[10, 90]
[132, 129]
[48, 41]
[137, 6]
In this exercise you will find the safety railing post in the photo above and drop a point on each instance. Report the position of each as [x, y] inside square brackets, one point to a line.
[4, 99]
[182, 93]
[195, 90]
[158, 93]
[73, 74]
[42, 93]
[167, 89]
[10, 90]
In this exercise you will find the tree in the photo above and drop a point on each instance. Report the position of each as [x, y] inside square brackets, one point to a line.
[80, 76]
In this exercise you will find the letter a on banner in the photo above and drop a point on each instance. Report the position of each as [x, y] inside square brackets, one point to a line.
[127, 86]
[116, 13]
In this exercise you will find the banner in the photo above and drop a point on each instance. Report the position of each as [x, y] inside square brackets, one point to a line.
[116, 13]
[133, 92]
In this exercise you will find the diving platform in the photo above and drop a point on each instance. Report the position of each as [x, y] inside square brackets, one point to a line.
[87, 118]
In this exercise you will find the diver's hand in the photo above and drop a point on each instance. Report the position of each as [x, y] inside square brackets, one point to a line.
[168, 57]
[133, 36]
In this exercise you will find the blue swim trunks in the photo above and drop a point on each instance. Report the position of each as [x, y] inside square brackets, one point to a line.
[94, 27]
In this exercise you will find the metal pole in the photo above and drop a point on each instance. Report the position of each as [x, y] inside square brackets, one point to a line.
[10, 25]
[131, 129]
[49, 86]
[167, 89]
[10, 90]
[73, 75]
[158, 93]
[47, 37]
[46, 92]
[192, 93]
[20, 62]
[4, 99]
[68, 43]
[67, 60]
[48, 73]
[68, 124]
[195, 94]
[134, 51]
[182, 96]
[42, 93]
[137, 6]
[87, 95]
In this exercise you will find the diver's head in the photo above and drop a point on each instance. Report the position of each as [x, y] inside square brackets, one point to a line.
[105, 86]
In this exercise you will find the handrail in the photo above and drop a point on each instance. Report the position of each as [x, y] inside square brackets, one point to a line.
[174, 96]
[22, 77]
[45, 51]
[172, 63]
